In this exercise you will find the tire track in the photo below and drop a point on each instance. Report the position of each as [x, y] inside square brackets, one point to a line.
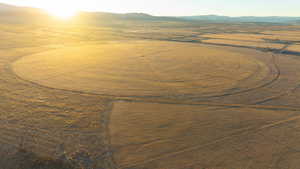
[281, 94]
[262, 107]
[109, 158]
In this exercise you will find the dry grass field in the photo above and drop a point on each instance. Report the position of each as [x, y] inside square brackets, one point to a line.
[284, 35]
[143, 68]
[292, 36]
[286, 40]
[190, 97]
[294, 48]
[200, 136]
[237, 37]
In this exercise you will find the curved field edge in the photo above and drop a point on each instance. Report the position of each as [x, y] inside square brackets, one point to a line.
[94, 70]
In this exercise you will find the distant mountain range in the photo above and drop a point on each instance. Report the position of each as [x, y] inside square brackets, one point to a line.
[14, 14]
[217, 18]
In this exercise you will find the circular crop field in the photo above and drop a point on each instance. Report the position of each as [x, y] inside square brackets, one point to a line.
[143, 68]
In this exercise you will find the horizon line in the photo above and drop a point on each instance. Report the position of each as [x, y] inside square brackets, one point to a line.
[194, 15]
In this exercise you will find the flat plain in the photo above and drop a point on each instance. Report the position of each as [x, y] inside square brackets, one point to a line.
[176, 97]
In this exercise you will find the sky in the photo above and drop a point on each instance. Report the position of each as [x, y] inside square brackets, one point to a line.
[174, 7]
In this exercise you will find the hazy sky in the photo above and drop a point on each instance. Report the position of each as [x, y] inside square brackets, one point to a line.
[176, 7]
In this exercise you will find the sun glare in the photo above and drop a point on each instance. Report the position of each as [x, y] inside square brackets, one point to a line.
[61, 10]
[62, 13]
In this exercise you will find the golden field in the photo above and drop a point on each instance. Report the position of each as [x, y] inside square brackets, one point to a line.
[187, 97]
[142, 68]
[294, 48]
[237, 36]
[263, 36]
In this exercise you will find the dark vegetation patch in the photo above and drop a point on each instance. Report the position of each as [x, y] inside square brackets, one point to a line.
[26, 159]
[29, 160]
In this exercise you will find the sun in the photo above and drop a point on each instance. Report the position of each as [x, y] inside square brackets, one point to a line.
[62, 13]
[61, 9]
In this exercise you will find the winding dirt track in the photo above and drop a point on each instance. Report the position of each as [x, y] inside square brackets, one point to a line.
[41, 118]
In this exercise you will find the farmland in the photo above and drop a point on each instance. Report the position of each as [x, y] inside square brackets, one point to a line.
[163, 96]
